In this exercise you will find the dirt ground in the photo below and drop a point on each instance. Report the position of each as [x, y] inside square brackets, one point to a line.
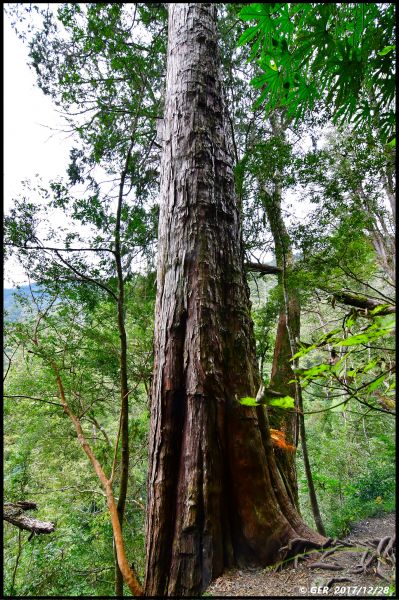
[338, 579]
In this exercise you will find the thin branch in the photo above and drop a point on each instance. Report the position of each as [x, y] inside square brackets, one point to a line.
[31, 398]
[24, 247]
[86, 278]
[116, 449]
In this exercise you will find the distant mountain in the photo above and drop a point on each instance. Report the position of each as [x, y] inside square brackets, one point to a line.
[14, 309]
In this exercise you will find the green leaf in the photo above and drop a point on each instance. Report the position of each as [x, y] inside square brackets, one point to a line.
[313, 371]
[370, 365]
[379, 309]
[248, 35]
[285, 402]
[386, 322]
[253, 11]
[248, 401]
[385, 50]
[354, 340]
[304, 351]
[259, 80]
[377, 382]
[374, 332]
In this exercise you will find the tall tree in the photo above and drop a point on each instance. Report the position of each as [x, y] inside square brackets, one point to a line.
[215, 496]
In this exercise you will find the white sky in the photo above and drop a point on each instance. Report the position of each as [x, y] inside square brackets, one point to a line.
[30, 146]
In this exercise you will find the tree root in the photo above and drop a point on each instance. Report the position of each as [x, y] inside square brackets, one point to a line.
[326, 566]
[381, 550]
[329, 552]
[296, 549]
[380, 573]
[383, 542]
[338, 580]
[377, 551]
[390, 546]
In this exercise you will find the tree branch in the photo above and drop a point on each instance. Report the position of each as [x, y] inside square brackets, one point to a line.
[31, 398]
[86, 278]
[53, 249]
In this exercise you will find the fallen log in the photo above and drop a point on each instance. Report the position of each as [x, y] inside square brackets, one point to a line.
[363, 302]
[14, 513]
[262, 268]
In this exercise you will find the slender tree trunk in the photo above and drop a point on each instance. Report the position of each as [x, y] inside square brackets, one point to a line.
[288, 333]
[281, 380]
[308, 471]
[124, 389]
[215, 497]
[127, 571]
[282, 376]
[17, 559]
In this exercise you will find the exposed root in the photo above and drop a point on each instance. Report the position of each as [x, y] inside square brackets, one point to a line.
[364, 556]
[338, 580]
[326, 566]
[380, 573]
[373, 542]
[378, 552]
[383, 542]
[390, 546]
[297, 549]
[329, 552]
[381, 551]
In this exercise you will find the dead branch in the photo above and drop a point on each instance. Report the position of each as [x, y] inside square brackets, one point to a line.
[13, 512]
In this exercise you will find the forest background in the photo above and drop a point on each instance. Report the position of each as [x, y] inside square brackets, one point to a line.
[103, 66]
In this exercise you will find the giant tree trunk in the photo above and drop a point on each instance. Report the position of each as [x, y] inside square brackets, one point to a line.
[215, 497]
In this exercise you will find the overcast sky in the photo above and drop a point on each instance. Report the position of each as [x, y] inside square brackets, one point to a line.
[30, 146]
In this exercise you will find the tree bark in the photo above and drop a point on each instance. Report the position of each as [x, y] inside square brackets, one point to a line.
[123, 371]
[215, 497]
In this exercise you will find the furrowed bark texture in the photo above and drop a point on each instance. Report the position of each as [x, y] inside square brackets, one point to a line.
[215, 497]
